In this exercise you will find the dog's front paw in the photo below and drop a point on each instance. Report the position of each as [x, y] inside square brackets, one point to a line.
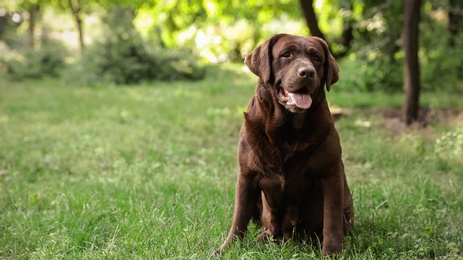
[264, 236]
[221, 249]
[331, 248]
[217, 253]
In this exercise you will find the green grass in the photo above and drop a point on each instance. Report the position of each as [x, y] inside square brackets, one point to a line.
[148, 172]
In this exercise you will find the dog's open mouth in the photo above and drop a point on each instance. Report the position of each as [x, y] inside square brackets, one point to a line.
[299, 99]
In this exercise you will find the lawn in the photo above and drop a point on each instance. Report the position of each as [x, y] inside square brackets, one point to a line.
[148, 172]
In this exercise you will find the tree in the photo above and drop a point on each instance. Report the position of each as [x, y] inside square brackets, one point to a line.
[345, 40]
[412, 12]
[311, 19]
[76, 10]
[33, 9]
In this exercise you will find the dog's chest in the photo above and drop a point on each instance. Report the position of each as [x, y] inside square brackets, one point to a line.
[285, 189]
[278, 151]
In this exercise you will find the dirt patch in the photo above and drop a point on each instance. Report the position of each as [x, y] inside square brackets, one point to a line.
[429, 121]
[392, 120]
[427, 118]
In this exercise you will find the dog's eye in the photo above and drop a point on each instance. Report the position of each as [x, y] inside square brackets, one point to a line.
[316, 58]
[286, 54]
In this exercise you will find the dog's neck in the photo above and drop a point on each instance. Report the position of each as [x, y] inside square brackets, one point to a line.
[267, 116]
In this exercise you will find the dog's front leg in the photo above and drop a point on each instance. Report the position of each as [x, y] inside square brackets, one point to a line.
[245, 205]
[333, 232]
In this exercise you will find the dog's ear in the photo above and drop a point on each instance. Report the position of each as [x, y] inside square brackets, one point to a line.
[331, 67]
[259, 61]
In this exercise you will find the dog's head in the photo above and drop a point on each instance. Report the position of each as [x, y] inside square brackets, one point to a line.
[296, 67]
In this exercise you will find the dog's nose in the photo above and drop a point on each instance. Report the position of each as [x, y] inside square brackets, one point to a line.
[306, 72]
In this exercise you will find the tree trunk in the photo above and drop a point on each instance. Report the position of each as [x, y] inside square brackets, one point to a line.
[34, 12]
[310, 17]
[76, 8]
[455, 14]
[81, 36]
[412, 12]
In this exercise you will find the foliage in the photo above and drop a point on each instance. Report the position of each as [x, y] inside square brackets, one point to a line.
[124, 62]
[149, 173]
[377, 44]
[439, 61]
[48, 60]
[378, 47]
[222, 30]
[7, 28]
[169, 18]
[122, 57]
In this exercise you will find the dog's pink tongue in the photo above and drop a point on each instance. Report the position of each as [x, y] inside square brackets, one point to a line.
[303, 101]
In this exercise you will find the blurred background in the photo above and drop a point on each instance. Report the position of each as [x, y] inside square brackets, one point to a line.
[119, 121]
[128, 42]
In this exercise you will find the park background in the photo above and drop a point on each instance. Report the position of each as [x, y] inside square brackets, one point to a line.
[119, 122]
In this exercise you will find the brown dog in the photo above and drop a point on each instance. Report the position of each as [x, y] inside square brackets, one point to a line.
[291, 179]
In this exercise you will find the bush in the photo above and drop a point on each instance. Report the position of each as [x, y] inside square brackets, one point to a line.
[129, 62]
[378, 47]
[439, 61]
[382, 74]
[46, 61]
[123, 58]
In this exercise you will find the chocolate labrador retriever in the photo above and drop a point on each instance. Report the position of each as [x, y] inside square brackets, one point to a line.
[291, 179]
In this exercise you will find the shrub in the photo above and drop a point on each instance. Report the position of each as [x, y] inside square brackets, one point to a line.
[378, 46]
[48, 60]
[126, 62]
[439, 61]
[119, 61]
[123, 58]
[382, 74]
[129, 62]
